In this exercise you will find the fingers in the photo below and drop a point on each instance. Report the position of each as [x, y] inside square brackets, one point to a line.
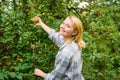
[36, 72]
[39, 72]
[35, 20]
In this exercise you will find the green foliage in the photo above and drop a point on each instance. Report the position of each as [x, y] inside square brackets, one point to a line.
[24, 46]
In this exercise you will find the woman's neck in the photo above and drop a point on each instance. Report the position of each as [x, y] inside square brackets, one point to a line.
[67, 40]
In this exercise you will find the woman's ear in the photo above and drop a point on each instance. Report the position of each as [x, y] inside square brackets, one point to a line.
[74, 33]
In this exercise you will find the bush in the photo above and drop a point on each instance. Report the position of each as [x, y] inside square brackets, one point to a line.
[23, 46]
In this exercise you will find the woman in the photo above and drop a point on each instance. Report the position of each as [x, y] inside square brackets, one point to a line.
[68, 62]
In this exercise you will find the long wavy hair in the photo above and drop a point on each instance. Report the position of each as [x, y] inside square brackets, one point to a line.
[77, 26]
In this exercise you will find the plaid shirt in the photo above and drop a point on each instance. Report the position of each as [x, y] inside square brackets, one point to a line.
[68, 62]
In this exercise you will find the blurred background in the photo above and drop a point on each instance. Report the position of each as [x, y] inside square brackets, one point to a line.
[23, 46]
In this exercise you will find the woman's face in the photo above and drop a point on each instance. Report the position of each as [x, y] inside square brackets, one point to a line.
[66, 29]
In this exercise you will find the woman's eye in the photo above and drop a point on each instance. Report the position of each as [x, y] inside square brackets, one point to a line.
[68, 26]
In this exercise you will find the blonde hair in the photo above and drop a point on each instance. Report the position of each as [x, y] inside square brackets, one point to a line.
[77, 26]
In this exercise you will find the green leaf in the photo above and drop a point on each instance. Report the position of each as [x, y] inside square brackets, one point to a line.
[12, 74]
[14, 54]
[19, 76]
[1, 76]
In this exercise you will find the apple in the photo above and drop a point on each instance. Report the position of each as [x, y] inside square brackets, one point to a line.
[35, 20]
[32, 46]
[30, 6]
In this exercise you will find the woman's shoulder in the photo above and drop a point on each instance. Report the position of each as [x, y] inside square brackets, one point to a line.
[73, 47]
[70, 49]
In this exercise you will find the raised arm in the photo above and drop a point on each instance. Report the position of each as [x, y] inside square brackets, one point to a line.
[53, 35]
[37, 21]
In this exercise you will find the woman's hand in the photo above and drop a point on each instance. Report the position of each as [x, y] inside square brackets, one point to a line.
[37, 20]
[39, 72]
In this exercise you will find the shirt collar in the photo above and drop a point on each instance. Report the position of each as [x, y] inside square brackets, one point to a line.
[62, 46]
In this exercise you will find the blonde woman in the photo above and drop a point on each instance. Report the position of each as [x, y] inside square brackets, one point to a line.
[68, 62]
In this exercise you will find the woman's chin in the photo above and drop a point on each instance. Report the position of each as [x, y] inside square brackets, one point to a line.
[60, 32]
